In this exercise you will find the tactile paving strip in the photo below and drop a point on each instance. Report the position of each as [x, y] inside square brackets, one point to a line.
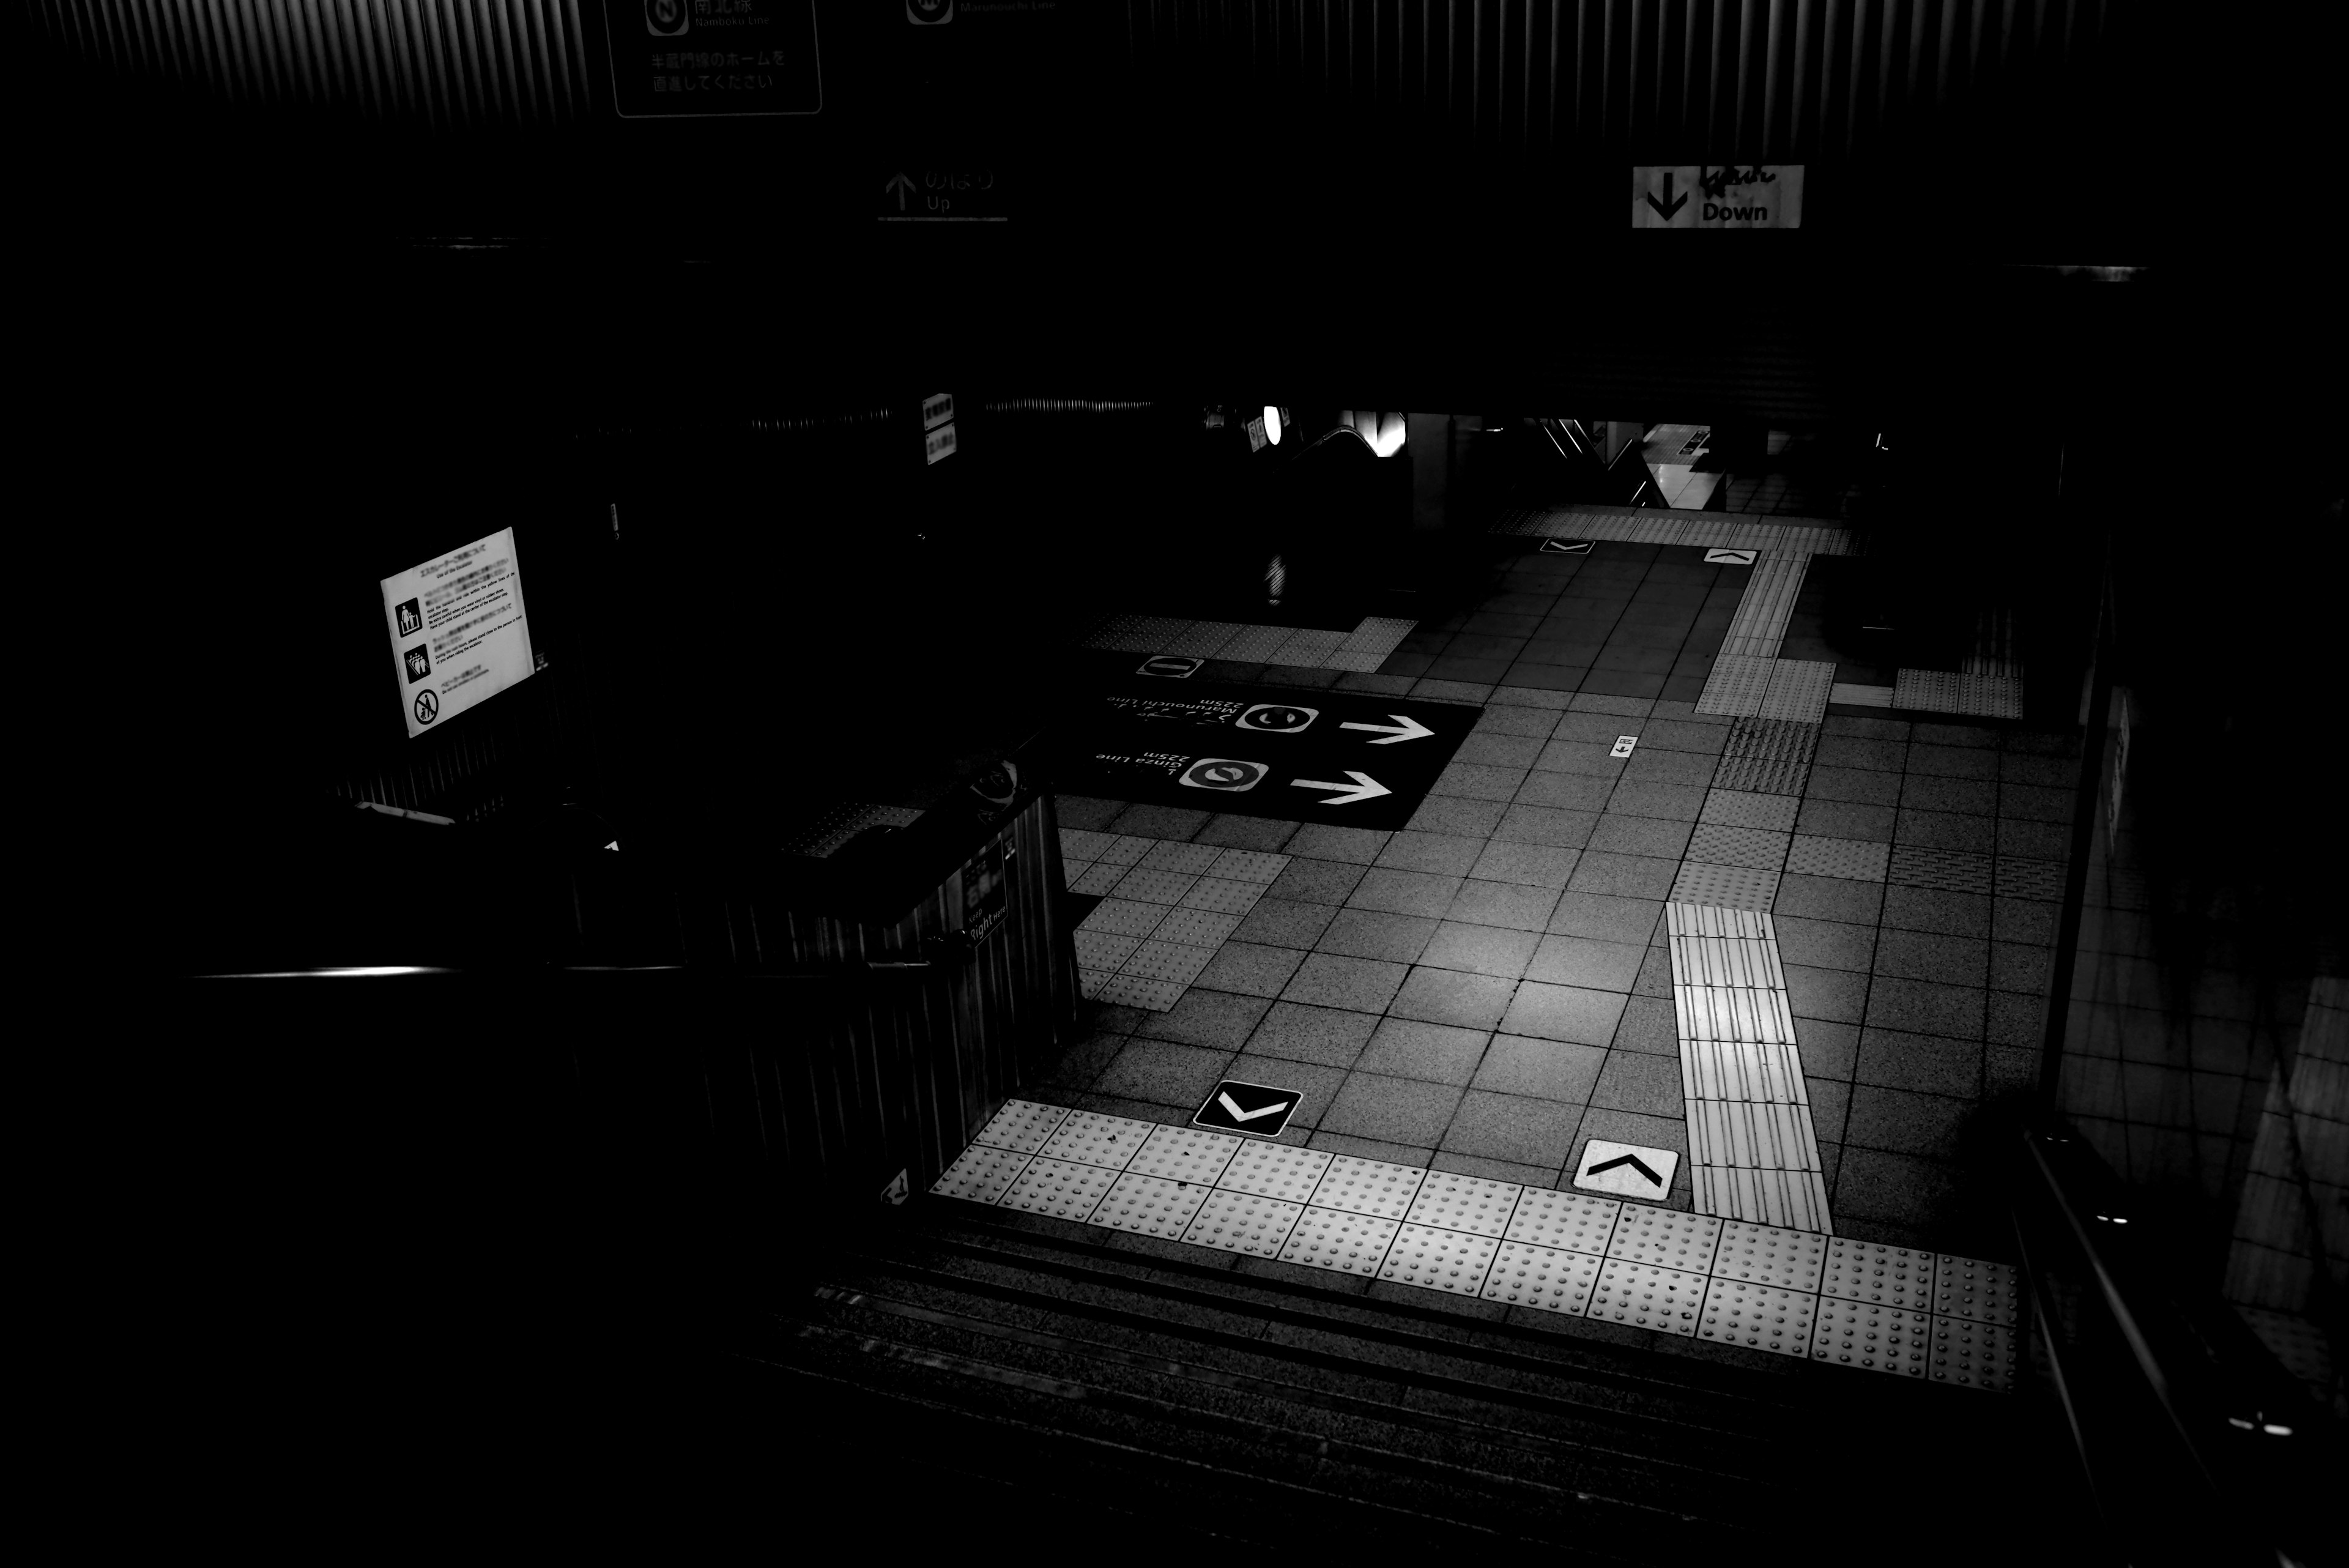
[1716, 946]
[1742, 1070]
[1798, 690]
[1654, 525]
[1759, 625]
[1769, 775]
[1151, 1206]
[1185, 1153]
[1736, 808]
[1092, 1138]
[1751, 848]
[1733, 1012]
[1276, 1170]
[1735, 685]
[1950, 870]
[1573, 1222]
[1942, 692]
[1334, 1238]
[1758, 1316]
[1770, 1255]
[2030, 879]
[1754, 1136]
[980, 1174]
[1794, 1199]
[1022, 1125]
[1983, 1292]
[1471, 1203]
[1243, 1223]
[1666, 1236]
[1552, 1279]
[1060, 1188]
[1643, 1295]
[1728, 887]
[1876, 1338]
[1368, 1186]
[1973, 1355]
[1854, 859]
[1438, 1260]
[1873, 1272]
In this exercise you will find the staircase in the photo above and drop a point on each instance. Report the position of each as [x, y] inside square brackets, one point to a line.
[976, 1378]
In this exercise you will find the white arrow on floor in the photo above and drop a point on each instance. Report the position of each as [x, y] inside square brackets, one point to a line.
[1240, 1116]
[1364, 787]
[1412, 730]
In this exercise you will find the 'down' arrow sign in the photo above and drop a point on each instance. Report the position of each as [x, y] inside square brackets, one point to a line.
[1240, 1116]
[1364, 787]
[1410, 730]
[1669, 204]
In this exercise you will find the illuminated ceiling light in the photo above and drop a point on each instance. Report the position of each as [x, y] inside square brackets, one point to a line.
[1389, 440]
[1272, 422]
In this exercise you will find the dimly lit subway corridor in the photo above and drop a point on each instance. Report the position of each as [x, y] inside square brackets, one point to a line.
[913, 896]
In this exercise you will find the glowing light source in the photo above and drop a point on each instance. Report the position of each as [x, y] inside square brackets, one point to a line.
[1272, 424]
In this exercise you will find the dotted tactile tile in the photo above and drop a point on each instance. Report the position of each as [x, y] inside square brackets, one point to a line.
[1255, 644]
[1983, 1292]
[1876, 1338]
[1335, 1239]
[1150, 1206]
[1751, 962]
[1742, 1070]
[1243, 1223]
[1276, 1170]
[1176, 963]
[1798, 690]
[1435, 1259]
[1552, 1279]
[1091, 1138]
[1753, 847]
[1854, 859]
[1194, 1155]
[844, 822]
[1368, 1186]
[1728, 887]
[1060, 1188]
[1126, 848]
[1644, 1295]
[1872, 1272]
[1737, 685]
[2031, 879]
[1973, 1355]
[1769, 775]
[1222, 896]
[1753, 1014]
[1758, 1316]
[1083, 844]
[1119, 916]
[980, 1174]
[1096, 880]
[1770, 1255]
[1197, 927]
[1200, 638]
[1775, 740]
[1101, 952]
[1666, 1236]
[1736, 808]
[1471, 1203]
[1251, 866]
[1361, 663]
[1185, 859]
[1090, 982]
[1133, 990]
[1022, 1125]
[1573, 1221]
[1145, 884]
[1950, 870]
[1752, 1134]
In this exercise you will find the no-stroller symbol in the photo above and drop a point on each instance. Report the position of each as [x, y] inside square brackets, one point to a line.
[428, 707]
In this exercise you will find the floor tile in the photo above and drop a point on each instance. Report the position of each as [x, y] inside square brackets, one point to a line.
[1620, 834]
[1320, 841]
[1481, 950]
[1164, 1073]
[1533, 674]
[1859, 785]
[1830, 899]
[1284, 922]
[1830, 1098]
[1522, 824]
[1443, 853]
[1539, 1177]
[1922, 1007]
[1649, 1023]
[1835, 994]
[1695, 734]
[2044, 773]
[1330, 1036]
[1657, 766]
[1411, 1048]
[1246, 968]
[1083, 1061]
[1375, 934]
[1086, 811]
[1846, 819]
[1878, 1184]
[1623, 876]
[1921, 955]
[1640, 1081]
[1606, 917]
[1451, 814]
[1569, 791]
[1530, 865]
[1926, 755]
[1328, 980]
[1611, 1125]
[1509, 905]
[1927, 1063]
[1214, 1018]
[2028, 920]
[1159, 821]
[1479, 783]
[1519, 1128]
[1865, 728]
[1494, 750]
[1451, 996]
[1667, 801]
[2048, 841]
[1582, 961]
[1903, 1122]
[1317, 881]
[1544, 1069]
[1576, 1013]
[1946, 830]
[1392, 1110]
[1846, 751]
[2020, 966]
[1411, 1155]
[1934, 792]
[1512, 720]
[2016, 1018]
[1396, 892]
[1824, 944]
[1829, 1048]
[1933, 909]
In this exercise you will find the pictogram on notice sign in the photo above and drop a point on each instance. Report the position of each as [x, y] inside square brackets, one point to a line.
[1717, 196]
[459, 634]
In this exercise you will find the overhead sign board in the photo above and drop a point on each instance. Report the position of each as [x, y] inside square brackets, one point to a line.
[697, 58]
[459, 633]
[1717, 196]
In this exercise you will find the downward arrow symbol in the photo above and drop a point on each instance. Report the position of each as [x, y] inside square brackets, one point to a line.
[1240, 1116]
[1669, 204]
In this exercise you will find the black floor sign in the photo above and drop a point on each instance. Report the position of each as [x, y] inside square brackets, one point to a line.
[1342, 757]
[1249, 1108]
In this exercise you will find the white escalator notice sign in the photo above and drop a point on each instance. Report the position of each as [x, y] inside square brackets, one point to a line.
[459, 636]
[1717, 196]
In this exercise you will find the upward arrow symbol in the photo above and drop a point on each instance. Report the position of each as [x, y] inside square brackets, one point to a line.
[901, 185]
[1668, 205]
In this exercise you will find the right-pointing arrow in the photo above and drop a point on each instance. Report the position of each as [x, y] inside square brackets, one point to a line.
[1364, 787]
[1404, 728]
[1669, 205]
[1633, 1160]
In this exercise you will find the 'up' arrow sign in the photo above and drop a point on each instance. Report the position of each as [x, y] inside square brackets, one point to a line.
[1410, 730]
[1364, 787]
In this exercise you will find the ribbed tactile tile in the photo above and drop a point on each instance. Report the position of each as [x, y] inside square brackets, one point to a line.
[1276, 1170]
[1971, 1288]
[1876, 1338]
[1742, 1070]
[1550, 1279]
[1751, 962]
[1948, 870]
[1643, 1295]
[1439, 1260]
[1334, 1238]
[1758, 1316]
[1773, 775]
[980, 1174]
[1942, 691]
[1885, 1276]
[1150, 1206]
[1022, 1125]
[1194, 1155]
[1712, 921]
[1736, 808]
[1755, 1015]
[1973, 1355]
[1092, 1138]
[1243, 1223]
[1472, 1203]
[1728, 887]
[1798, 690]
[1061, 1189]
[1789, 1198]
[1576, 1222]
[1752, 848]
[2031, 879]
[1752, 1134]
[1666, 1236]
[1770, 1255]
[1368, 1186]
[1854, 859]
[1736, 684]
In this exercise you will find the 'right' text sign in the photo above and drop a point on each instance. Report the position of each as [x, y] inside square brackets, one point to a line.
[1717, 196]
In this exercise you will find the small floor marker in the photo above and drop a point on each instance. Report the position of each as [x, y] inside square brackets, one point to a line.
[1566, 547]
[1174, 666]
[1623, 744]
[1729, 557]
[1254, 1109]
[1627, 1171]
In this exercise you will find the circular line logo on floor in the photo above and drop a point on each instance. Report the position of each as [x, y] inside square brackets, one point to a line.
[1224, 773]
